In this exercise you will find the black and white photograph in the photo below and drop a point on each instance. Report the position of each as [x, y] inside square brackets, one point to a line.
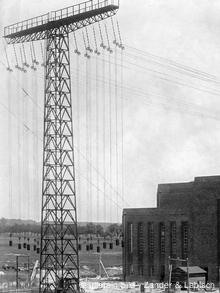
[110, 146]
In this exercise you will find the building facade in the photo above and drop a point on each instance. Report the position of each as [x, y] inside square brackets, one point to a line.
[185, 224]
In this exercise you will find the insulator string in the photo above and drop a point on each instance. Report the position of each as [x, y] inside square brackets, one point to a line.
[22, 60]
[25, 56]
[85, 46]
[102, 45]
[16, 58]
[7, 60]
[32, 59]
[42, 55]
[76, 45]
[96, 45]
[107, 37]
[88, 41]
[34, 54]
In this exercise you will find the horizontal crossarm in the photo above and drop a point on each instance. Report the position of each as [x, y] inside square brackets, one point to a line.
[70, 18]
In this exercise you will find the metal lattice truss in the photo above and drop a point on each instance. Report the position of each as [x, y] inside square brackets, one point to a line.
[59, 255]
[59, 261]
[37, 28]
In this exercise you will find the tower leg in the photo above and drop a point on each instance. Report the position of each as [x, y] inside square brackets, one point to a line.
[59, 261]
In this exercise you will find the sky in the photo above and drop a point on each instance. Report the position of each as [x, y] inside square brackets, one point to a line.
[171, 115]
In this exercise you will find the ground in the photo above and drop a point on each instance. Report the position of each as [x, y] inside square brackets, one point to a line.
[89, 261]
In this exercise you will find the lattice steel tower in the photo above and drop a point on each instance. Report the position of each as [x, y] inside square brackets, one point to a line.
[59, 261]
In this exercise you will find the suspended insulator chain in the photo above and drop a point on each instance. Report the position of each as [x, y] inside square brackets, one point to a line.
[16, 58]
[32, 59]
[115, 42]
[34, 55]
[84, 41]
[109, 48]
[42, 55]
[101, 36]
[76, 45]
[88, 47]
[8, 65]
[119, 34]
[96, 50]
[22, 61]
[25, 58]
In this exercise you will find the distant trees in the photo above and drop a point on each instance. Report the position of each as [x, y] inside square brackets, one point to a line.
[19, 226]
[91, 228]
[114, 230]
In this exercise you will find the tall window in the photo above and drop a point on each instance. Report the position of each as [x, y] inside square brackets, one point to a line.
[140, 239]
[130, 237]
[151, 240]
[185, 239]
[140, 247]
[162, 239]
[173, 240]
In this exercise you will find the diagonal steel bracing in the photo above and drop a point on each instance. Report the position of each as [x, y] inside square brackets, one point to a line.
[59, 255]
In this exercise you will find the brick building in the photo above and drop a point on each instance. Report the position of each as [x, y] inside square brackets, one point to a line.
[185, 224]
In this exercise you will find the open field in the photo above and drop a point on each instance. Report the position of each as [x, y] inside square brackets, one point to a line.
[89, 260]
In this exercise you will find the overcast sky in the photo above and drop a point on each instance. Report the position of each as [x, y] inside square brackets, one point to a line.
[172, 136]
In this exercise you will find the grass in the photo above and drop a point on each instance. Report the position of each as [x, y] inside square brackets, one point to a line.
[89, 261]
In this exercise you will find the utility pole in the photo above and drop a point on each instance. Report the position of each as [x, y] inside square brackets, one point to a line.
[59, 259]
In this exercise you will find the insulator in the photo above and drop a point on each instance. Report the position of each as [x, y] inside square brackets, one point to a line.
[77, 52]
[104, 245]
[103, 46]
[34, 68]
[109, 50]
[36, 62]
[98, 249]
[26, 65]
[115, 42]
[87, 56]
[10, 243]
[9, 69]
[97, 52]
[19, 245]
[111, 245]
